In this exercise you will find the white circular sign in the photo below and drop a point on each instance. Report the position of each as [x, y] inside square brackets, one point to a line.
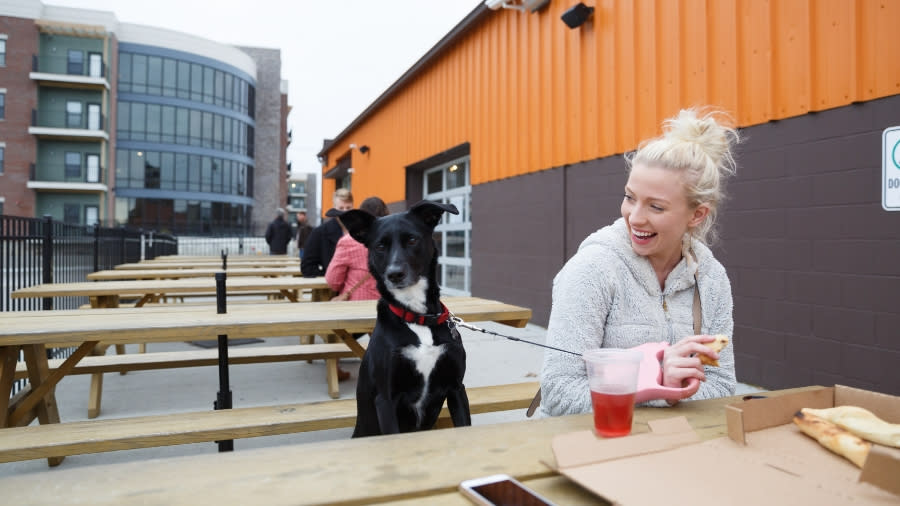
[890, 169]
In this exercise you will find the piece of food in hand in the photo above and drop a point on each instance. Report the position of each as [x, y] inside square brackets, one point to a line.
[717, 346]
[861, 422]
[834, 438]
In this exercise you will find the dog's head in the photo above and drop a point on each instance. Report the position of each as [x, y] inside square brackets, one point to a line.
[402, 252]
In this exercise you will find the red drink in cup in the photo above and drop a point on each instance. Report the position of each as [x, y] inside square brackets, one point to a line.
[613, 413]
[613, 374]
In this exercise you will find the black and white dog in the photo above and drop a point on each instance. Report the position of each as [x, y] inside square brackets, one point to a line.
[415, 359]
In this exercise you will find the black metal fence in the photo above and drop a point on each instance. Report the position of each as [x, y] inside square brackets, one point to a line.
[41, 250]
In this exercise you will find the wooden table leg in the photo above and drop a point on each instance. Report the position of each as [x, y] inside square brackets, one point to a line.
[38, 373]
[95, 394]
[331, 375]
[8, 359]
[348, 339]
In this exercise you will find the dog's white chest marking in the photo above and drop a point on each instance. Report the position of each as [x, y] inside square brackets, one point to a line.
[413, 296]
[424, 356]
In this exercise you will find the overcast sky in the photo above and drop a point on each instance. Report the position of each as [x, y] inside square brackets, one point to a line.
[338, 55]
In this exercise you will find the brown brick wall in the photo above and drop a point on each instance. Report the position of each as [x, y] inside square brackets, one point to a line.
[813, 259]
[21, 98]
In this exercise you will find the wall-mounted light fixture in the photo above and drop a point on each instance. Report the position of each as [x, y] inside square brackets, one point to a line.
[364, 149]
[522, 5]
[576, 15]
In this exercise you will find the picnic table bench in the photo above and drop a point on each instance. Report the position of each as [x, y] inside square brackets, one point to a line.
[96, 436]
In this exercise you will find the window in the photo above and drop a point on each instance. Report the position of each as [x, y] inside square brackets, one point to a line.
[73, 114]
[2, 50]
[71, 213]
[91, 215]
[2, 157]
[449, 183]
[76, 62]
[139, 73]
[169, 77]
[124, 72]
[2, 104]
[73, 165]
[154, 75]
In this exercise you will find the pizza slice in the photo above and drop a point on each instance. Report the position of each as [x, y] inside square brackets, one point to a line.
[717, 346]
[861, 422]
[834, 438]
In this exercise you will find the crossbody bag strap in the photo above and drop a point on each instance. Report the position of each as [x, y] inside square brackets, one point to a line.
[358, 284]
[697, 308]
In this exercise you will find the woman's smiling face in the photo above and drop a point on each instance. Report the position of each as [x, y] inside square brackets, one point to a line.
[657, 213]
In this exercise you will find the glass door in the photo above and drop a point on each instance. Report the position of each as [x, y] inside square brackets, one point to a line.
[93, 168]
[95, 65]
[449, 183]
[93, 116]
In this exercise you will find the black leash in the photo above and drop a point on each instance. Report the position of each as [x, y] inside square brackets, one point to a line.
[458, 322]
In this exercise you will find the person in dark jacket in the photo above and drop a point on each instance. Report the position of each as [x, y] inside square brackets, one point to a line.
[319, 247]
[303, 231]
[278, 234]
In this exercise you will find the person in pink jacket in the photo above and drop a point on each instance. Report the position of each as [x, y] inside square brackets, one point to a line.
[348, 271]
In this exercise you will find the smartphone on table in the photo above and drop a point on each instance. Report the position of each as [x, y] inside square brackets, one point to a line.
[501, 490]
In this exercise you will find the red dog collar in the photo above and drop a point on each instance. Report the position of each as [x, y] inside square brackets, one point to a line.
[422, 319]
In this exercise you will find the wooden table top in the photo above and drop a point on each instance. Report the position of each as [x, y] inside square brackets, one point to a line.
[169, 286]
[173, 322]
[218, 258]
[210, 264]
[412, 467]
[200, 272]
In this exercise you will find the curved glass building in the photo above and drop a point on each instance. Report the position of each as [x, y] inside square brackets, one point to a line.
[137, 125]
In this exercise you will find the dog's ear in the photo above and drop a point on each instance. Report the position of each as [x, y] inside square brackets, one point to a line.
[430, 212]
[358, 223]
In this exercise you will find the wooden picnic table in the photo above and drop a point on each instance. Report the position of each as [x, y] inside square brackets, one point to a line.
[106, 294]
[31, 331]
[150, 273]
[414, 468]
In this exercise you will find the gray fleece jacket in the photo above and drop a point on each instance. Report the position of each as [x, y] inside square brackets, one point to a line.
[607, 296]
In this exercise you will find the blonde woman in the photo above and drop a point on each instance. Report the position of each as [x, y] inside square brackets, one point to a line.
[633, 282]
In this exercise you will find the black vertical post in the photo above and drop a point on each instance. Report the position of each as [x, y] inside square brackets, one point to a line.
[96, 247]
[223, 398]
[122, 251]
[240, 245]
[47, 259]
[224, 260]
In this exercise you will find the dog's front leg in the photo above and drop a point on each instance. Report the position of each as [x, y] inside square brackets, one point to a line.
[386, 411]
[458, 404]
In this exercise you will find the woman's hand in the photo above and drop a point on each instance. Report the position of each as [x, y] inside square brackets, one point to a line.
[680, 362]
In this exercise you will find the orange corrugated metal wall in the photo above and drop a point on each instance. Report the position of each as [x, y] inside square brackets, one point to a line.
[530, 94]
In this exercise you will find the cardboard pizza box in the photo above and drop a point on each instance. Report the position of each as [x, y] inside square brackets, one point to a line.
[764, 460]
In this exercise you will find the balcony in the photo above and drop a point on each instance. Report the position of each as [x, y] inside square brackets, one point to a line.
[60, 71]
[62, 124]
[58, 177]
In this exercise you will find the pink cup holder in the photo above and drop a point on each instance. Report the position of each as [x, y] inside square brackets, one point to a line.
[649, 385]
